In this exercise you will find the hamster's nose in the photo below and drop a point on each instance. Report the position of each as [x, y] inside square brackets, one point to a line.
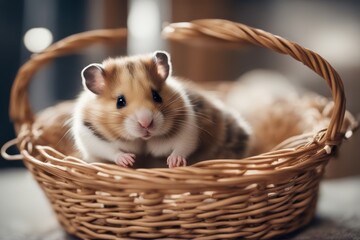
[145, 118]
[145, 123]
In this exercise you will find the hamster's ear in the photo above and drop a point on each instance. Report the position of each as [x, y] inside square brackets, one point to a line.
[93, 78]
[163, 64]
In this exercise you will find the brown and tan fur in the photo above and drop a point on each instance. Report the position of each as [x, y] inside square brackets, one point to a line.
[211, 131]
[133, 77]
[220, 135]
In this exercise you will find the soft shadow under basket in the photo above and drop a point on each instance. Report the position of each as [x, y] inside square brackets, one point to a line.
[257, 198]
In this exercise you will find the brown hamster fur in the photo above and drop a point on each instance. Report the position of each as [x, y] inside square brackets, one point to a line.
[132, 107]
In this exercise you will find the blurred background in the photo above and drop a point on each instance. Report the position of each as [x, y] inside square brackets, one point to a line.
[331, 28]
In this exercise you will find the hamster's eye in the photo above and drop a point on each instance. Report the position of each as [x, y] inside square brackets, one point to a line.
[156, 97]
[121, 102]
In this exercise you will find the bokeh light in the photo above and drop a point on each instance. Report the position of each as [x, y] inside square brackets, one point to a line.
[37, 39]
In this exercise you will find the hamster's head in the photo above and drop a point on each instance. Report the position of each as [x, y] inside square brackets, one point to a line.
[131, 97]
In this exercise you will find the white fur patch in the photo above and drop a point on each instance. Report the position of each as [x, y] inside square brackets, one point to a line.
[94, 148]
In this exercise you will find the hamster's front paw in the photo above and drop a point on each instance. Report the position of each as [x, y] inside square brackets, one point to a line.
[125, 159]
[176, 161]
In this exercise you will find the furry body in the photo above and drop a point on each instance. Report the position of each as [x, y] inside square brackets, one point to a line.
[162, 117]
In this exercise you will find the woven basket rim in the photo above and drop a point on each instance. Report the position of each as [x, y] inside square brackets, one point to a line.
[319, 146]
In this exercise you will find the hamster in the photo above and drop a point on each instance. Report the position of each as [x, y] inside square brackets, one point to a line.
[132, 106]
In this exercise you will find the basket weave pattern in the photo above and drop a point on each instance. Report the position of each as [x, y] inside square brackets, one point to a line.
[257, 198]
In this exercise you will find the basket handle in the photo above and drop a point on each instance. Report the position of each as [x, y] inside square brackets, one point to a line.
[231, 32]
[20, 109]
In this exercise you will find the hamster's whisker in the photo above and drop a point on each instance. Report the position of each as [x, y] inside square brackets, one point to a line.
[183, 123]
[119, 129]
[187, 123]
[66, 133]
[195, 114]
[184, 110]
[171, 100]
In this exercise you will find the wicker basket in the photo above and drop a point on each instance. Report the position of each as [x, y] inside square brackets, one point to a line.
[257, 198]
